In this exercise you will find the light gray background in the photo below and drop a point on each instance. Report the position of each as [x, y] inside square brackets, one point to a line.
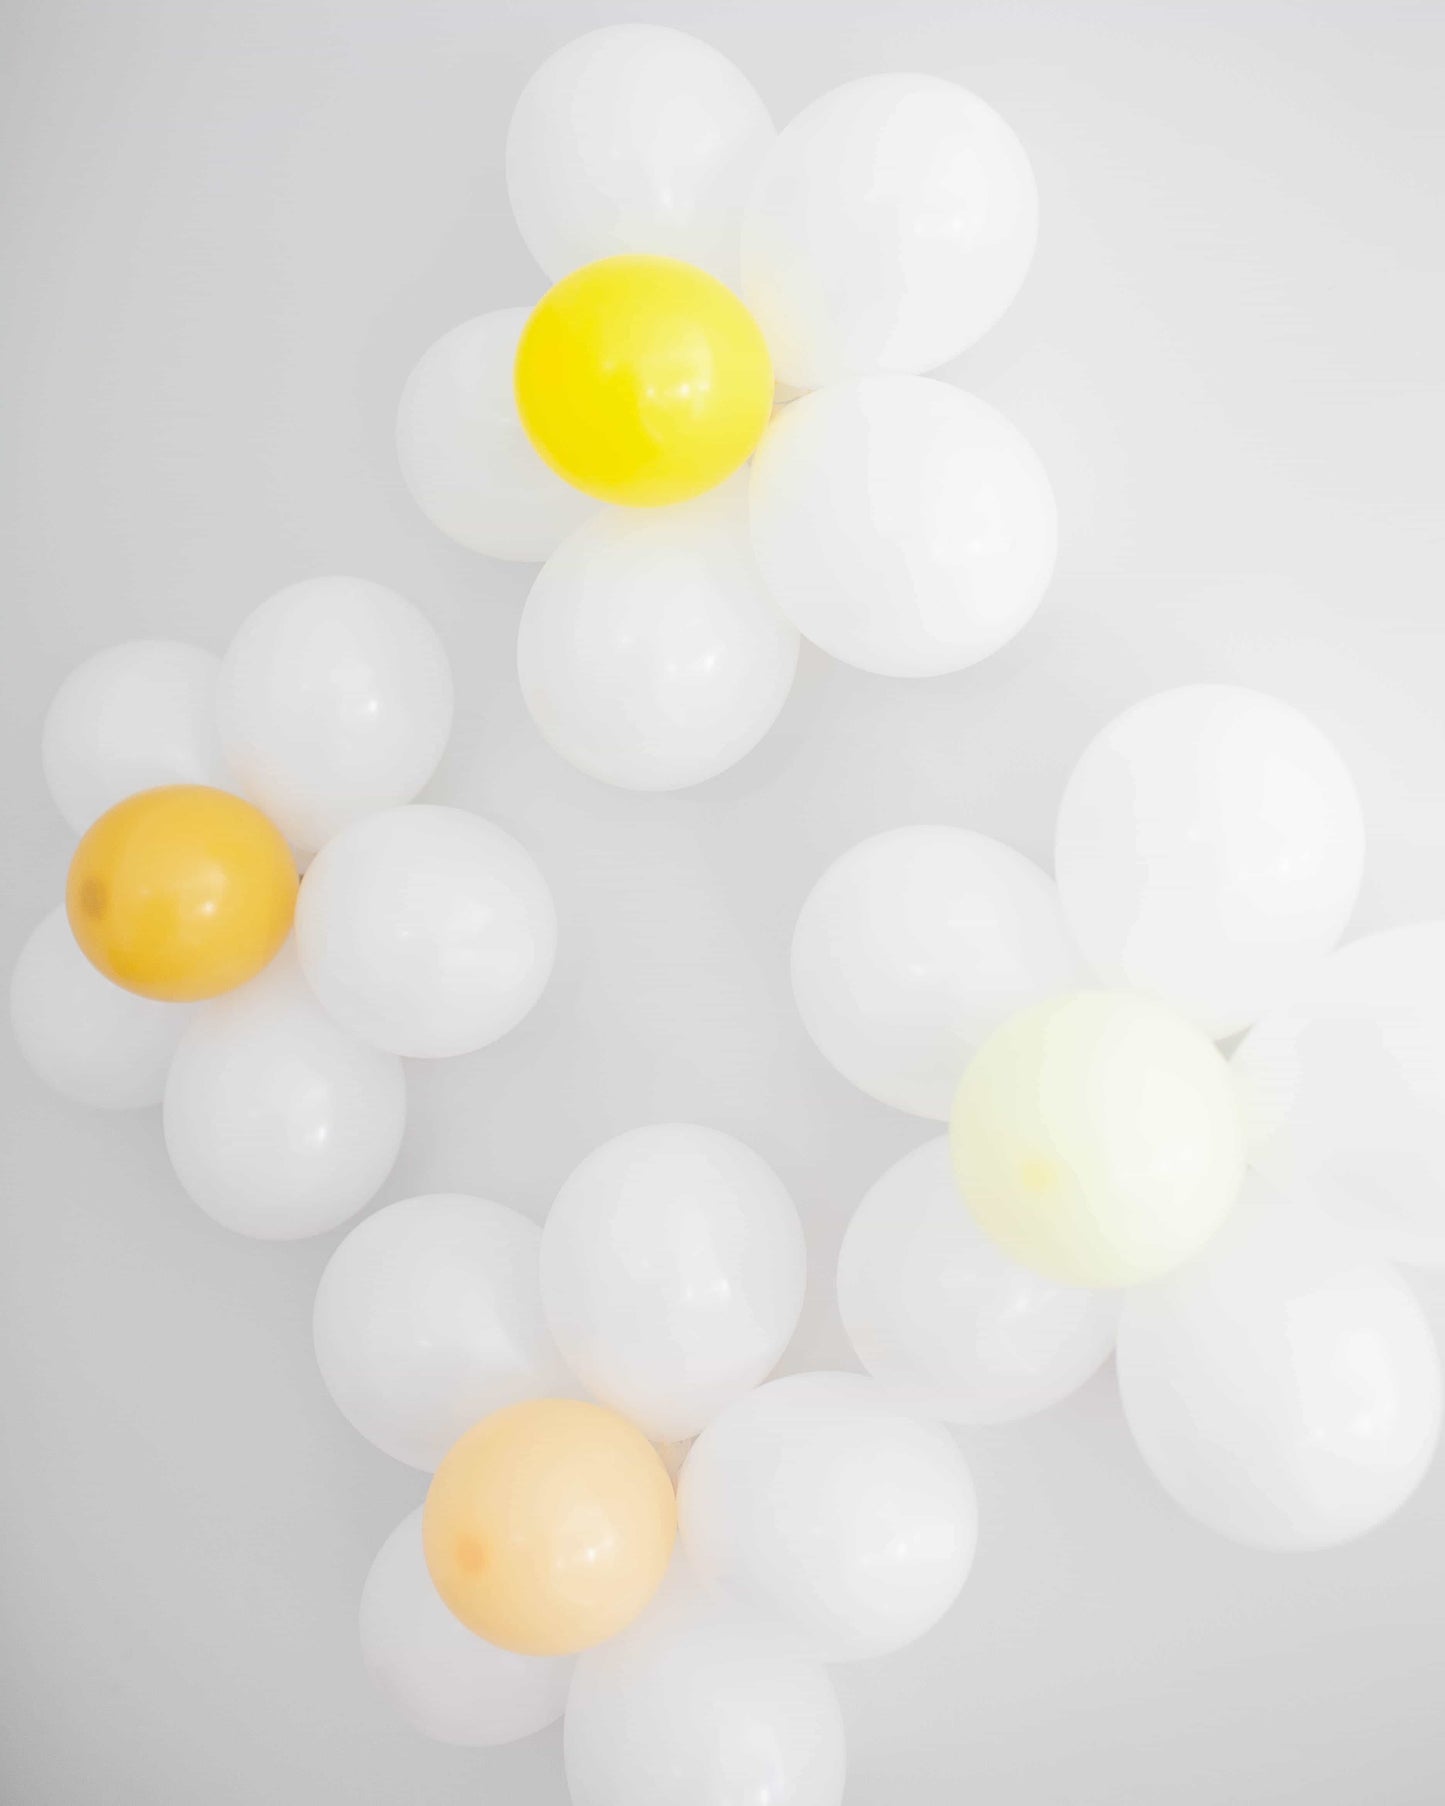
[229, 230]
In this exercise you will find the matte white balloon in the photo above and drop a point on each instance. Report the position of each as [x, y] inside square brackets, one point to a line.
[694, 1705]
[131, 718]
[1209, 849]
[84, 1036]
[650, 654]
[846, 1525]
[673, 1267]
[635, 138]
[905, 527]
[335, 699]
[892, 223]
[429, 1317]
[278, 1123]
[943, 1318]
[445, 1682]
[425, 931]
[469, 465]
[913, 947]
[1343, 1091]
[1284, 1388]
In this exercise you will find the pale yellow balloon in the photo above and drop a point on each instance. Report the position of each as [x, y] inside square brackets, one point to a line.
[549, 1526]
[1097, 1138]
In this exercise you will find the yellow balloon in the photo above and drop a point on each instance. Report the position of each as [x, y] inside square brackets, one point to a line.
[1097, 1139]
[643, 380]
[181, 893]
[549, 1526]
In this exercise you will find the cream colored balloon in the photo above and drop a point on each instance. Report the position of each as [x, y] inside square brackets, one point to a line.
[1097, 1138]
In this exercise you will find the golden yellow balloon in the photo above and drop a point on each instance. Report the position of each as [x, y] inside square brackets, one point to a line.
[181, 893]
[549, 1526]
[643, 380]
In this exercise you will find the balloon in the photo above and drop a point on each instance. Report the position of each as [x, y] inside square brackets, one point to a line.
[428, 1317]
[912, 947]
[891, 224]
[181, 893]
[904, 526]
[947, 1321]
[1343, 1091]
[425, 931]
[469, 466]
[85, 1037]
[1209, 848]
[695, 1704]
[1097, 1139]
[131, 718]
[635, 138]
[1284, 1388]
[846, 1526]
[650, 654]
[643, 381]
[335, 699]
[549, 1526]
[445, 1682]
[278, 1123]
[673, 1266]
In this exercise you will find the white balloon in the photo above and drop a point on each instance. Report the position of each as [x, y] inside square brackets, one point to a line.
[469, 465]
[635, 138]
[913, 947]
[445, 1682]
[335, 698]
[843, 1523]
[673, 1265]
[905, 527]
[277, 1122]
[429, 1317]
[892, 223]
[693, 1705]
[1209, 849]
[1284, 1388]
[425, 931]
[1343, 1091]
[943, 1318]
[131, 718]
[84, 1036]
[650, 654]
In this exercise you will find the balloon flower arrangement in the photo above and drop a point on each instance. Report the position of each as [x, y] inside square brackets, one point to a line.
[627, 1523]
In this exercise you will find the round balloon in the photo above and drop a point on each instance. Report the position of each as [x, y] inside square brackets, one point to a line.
[912, 947]
[84, 1036]
[444, 1681]
[643, 381]
[673, 1266]
[181, 893]
[467, 462]
[891, 224]
[905, 527]
[429, 1317]
[132, 718]
[943, 1318]
[635, 138]
[277, 1122]
[425, 931]
[1284, 1388]
[845, 1525]
[335, 699]
[1209, 849]
[549, 1526]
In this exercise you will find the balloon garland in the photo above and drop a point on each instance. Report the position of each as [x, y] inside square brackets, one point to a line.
[627, 1523]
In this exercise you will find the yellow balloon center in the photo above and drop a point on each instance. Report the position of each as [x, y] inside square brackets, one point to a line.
[643, 380]
[181, 893]
[549, 1526]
